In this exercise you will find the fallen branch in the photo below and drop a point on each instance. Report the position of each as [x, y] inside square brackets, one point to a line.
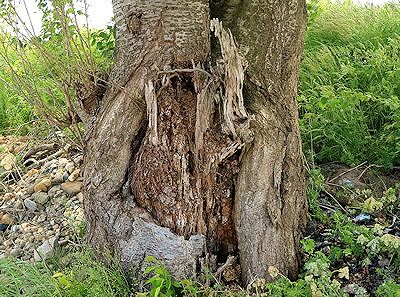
[347, 171]
[40, 148]
[337, 202]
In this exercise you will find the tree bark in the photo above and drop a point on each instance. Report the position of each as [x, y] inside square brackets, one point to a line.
[270, 204]
[188, 153]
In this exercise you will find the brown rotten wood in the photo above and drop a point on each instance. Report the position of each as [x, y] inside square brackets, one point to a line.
[187, 154]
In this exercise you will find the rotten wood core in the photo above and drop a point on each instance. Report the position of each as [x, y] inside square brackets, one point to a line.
[197, 125]
[195, 192]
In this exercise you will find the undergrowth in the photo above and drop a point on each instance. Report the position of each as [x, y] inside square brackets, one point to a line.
[349, 93]
[73, 274]
[43, 74]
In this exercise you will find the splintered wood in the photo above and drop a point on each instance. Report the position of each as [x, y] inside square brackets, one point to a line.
[235, 67]
[152, 111]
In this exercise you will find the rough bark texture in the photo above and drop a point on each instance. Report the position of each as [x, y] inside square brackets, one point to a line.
[152, 36]
[270, 205]
[180, 162]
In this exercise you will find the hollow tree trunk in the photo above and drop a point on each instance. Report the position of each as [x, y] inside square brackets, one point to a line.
[188, 153]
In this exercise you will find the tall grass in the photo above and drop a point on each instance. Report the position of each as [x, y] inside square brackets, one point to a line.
[76, 274]
[350, 84]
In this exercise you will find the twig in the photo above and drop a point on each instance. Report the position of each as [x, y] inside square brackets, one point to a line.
[229, 262]
[44, 147]
[394, 218]
[338, 203]
[368, 167]
[51, 157]
[326, 207]
[347, 171]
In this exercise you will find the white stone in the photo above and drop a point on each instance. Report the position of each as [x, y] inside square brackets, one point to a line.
[44, 251]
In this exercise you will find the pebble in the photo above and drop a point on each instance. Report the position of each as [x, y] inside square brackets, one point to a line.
[40, 197]
[58, 178]
[53, 191]
[46, 249]
[70, 167]
[18, 204]
[79, 196]
[8, 162]
[32, 172]
[41, 218]
[49, 202]
[72, 188]
[8, 196]
[30, 205]
[42, 186]
[6, 219]
[15, 252]
[74, 175]
[62, 162]
[15, 228]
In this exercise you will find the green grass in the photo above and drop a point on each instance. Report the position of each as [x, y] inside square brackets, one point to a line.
[350, 75]
[74, 274]
[18, 278]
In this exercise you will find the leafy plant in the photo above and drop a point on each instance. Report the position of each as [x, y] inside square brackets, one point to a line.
[315, 186]
[388, 289]
[43, 74]
[161, 282]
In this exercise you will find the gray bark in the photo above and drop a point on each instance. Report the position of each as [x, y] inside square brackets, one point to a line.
[161, 36]
[270, 199]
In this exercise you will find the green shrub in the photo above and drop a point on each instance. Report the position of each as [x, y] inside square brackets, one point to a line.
[41, 75]
[388, 289]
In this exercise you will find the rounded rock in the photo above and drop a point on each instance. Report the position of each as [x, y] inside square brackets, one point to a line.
[72, 188]
[15, 252]
[30, 205]
[8, 196]
[6, 219]
[70, 167]
[40, 198]
[74, 175]
[42, 186]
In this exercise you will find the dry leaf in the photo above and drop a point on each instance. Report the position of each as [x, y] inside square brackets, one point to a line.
[344, 272]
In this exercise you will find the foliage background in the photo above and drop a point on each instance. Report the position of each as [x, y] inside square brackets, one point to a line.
[349, 112]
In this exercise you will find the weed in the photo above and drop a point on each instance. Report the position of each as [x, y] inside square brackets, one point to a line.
[388, 289]
[315, 186]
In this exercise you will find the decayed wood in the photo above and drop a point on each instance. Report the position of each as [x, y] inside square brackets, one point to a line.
[179, 161]
[170, 35]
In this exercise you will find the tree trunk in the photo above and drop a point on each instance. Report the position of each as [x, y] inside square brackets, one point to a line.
[188, 153]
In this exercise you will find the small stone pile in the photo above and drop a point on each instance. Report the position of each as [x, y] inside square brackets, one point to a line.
[42, 208]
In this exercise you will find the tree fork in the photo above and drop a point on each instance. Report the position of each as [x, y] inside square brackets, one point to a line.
[175, 165]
